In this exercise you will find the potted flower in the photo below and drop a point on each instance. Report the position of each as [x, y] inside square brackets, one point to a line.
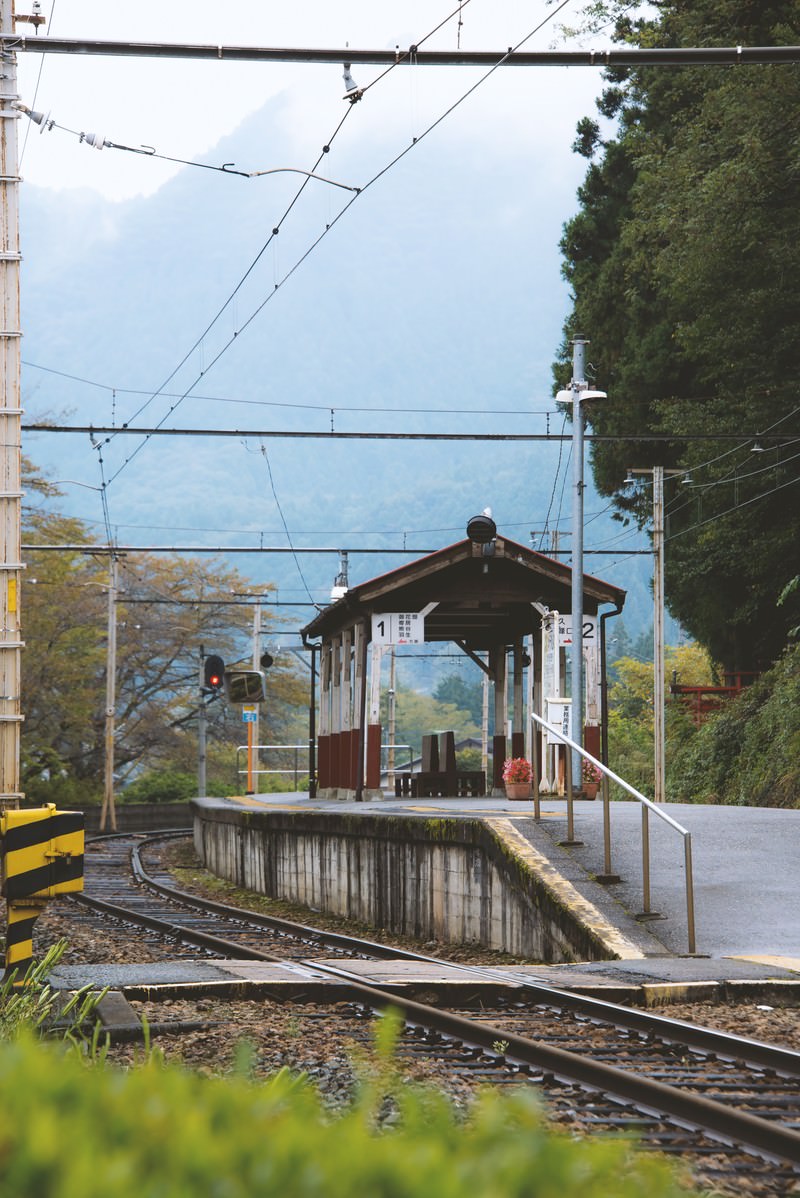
[591, 777]
[518, 776]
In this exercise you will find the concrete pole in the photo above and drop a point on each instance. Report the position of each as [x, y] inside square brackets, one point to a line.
[10, 428]
[578, 385]
[108, 811]
[659, 730]
[253, 781]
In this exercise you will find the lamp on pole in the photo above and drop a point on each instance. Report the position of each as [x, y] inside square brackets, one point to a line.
[577, 394]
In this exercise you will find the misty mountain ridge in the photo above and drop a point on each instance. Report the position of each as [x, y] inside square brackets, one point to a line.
[438, 289]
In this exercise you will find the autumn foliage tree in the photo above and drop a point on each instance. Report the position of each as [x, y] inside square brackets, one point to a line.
[167, 608]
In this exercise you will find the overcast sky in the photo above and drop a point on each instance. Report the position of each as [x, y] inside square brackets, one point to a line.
[182, 109]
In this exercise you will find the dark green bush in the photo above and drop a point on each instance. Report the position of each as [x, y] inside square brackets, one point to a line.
[70, 1130]
[748, 753]
[160, 786]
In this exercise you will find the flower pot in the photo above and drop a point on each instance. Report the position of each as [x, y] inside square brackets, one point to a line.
[518, 790]
[590, 790]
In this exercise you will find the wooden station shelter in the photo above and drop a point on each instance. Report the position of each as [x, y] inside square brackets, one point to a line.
[487, 596]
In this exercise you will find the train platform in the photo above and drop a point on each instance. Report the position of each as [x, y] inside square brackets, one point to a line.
[745, 870]
[746, 890]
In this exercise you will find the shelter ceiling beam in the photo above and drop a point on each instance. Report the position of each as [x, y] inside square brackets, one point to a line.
[474, 657]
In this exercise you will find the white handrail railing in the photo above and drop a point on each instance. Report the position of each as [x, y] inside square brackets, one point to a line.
[647, 806]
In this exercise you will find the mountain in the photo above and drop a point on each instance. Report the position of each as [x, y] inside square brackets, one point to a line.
[437, 288]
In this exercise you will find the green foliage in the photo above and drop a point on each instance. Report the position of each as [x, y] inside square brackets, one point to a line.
[418, 715]
[29, 1004]
[157, 1131]
[683, 260]
[157, 666]
[161, 786]
[467, 696]
[748, 753]
[630, 721]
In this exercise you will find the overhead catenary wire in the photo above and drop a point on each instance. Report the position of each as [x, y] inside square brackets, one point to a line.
[275, 231]
[332, 224]
[109, 431]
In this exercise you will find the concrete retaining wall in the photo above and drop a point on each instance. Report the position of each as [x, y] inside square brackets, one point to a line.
[452, 880]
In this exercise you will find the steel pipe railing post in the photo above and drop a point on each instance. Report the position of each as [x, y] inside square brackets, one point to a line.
[606, 826]
[568, 785]
[687, 856]
[537, 809]
[647, 806]
[645, 860]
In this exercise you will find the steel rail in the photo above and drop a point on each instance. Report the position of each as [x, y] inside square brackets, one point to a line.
[753, 1052]
[736, 1127]
[334, 939]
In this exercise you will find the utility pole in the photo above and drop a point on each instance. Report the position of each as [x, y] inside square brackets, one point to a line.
[659, 720]
[201, 728]
[253, 728]
[577, 395]
[108, 810]
[659, 725]
[578, 385]
[10, 425]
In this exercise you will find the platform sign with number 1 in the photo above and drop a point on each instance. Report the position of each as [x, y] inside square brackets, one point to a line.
[398, 628]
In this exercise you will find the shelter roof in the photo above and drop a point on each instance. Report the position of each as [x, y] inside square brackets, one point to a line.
[481, 599]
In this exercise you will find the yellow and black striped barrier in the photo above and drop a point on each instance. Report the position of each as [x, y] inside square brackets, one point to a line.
[42, 857]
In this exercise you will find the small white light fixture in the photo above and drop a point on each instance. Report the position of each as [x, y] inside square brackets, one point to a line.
[628, 480]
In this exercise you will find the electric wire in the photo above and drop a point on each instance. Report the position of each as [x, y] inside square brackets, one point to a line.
[265, 246]
[36, 87]
[555, 484]
[331, 225]
[265, 455]
[275, 403]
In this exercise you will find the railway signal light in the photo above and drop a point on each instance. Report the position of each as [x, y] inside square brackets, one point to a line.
[266, 660]
[213, 674]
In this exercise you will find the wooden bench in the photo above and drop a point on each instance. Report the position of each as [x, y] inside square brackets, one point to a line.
[432, 782]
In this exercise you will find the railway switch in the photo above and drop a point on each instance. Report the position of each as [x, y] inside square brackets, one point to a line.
[42, 856]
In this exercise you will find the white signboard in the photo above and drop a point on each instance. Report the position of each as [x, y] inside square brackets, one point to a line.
[559, 714]
[565, 630]
[398, 628]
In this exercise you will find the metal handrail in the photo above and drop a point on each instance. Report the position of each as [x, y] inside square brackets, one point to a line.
[291, 769]
[647, 806]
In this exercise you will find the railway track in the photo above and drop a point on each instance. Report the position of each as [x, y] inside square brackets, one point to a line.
[730, 1105]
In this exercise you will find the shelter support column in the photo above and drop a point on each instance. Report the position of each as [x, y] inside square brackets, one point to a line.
[324, 738]
[343, 780]
[518, 726]
[373, 768]
[357, 735]
[497, 658]
[336, 713]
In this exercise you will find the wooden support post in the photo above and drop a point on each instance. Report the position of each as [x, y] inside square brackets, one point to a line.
[498, 660]
[518, 727]
[324, 753]
[373, 778]
[345, 782]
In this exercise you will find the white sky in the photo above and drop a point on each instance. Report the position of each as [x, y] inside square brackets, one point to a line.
[184, 108]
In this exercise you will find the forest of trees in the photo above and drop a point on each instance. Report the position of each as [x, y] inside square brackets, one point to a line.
[167, 608]
[683, 263]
